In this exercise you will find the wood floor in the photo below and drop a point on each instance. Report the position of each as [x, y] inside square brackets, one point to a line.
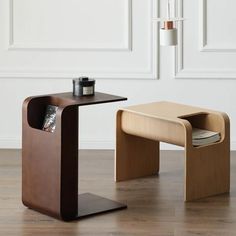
[155, 204]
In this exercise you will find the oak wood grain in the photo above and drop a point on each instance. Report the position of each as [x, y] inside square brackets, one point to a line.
[207, 168]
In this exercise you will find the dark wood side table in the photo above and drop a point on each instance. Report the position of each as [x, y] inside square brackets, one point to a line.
[50, 160]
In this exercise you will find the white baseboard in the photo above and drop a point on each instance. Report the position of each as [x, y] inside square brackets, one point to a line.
[15, 143]
[96, 144]
[10, 143]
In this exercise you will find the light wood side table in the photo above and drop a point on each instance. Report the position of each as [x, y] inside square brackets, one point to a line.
[140, 129]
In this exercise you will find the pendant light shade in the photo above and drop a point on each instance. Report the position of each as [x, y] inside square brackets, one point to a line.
[168, 32]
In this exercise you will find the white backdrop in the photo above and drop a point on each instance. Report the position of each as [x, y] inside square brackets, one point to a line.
[44, 44]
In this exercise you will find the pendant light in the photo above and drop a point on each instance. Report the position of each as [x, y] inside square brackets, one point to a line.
[168, 32]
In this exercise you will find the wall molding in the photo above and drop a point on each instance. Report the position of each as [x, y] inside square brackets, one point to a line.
[126, 45]
[151, 71]
[204, 46]
[179, 53]
[184, 73]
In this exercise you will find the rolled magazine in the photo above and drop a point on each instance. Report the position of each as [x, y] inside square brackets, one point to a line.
[49, 123]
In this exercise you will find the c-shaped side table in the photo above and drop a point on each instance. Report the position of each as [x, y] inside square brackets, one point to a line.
[140, 129]
[50, 160]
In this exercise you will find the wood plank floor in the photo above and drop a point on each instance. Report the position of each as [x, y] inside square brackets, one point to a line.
[155, 204]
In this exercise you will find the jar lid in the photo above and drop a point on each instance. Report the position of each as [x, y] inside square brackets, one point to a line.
[84, 81]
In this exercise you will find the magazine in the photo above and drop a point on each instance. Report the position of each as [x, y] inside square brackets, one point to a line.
[49, 123]
[203, 137]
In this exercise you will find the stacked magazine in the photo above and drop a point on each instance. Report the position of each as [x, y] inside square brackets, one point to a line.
[203, 137]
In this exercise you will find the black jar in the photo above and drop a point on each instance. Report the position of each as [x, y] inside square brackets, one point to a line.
[83, 86]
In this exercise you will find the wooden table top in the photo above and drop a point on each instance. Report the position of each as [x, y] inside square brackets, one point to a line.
[67, 99]
[168, 110]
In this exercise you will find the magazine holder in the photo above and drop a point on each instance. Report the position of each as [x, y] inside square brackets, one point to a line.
[50, 160]
[140, 129]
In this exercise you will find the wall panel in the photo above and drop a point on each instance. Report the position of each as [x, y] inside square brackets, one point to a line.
[207, 38]
[67, 38]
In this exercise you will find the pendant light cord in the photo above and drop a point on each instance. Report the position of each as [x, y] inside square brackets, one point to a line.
[168, 9]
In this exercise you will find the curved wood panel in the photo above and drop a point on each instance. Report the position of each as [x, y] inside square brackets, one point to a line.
[50, 160]
[141, 127]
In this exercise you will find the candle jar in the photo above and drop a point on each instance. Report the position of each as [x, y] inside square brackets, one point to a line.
[83, 86]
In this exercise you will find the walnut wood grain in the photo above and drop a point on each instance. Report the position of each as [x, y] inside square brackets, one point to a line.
[50, 160]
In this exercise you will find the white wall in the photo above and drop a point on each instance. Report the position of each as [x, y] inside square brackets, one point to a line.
[37, 58]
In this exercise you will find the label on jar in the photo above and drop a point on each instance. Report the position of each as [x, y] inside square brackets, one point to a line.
[88, 90]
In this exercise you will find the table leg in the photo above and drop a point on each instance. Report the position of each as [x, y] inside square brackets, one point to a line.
[134, 156]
